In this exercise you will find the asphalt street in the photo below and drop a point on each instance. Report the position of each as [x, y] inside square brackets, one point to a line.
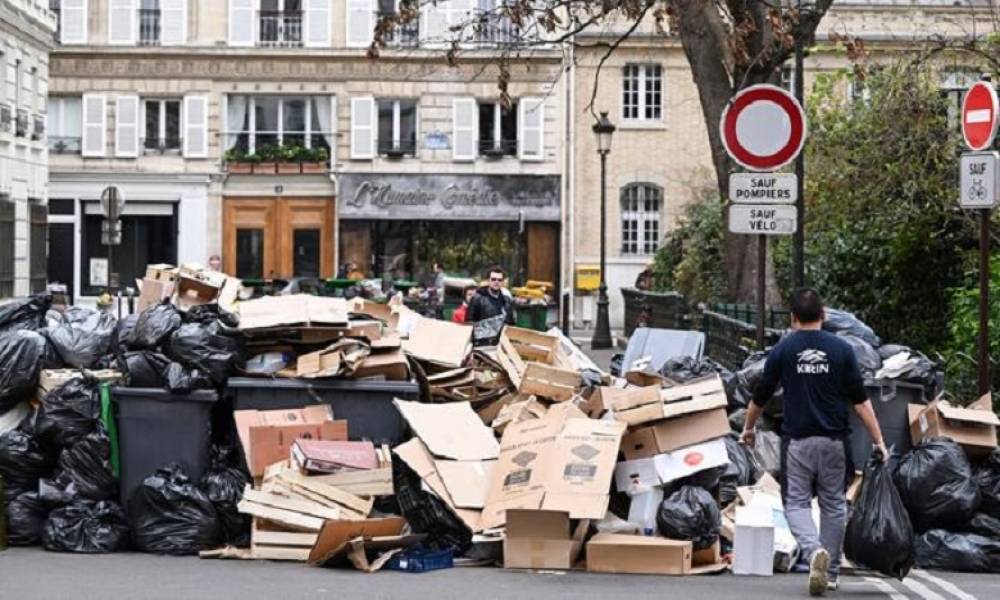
[29, 574]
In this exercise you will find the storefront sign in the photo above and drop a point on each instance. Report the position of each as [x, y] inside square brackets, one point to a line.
[449, 197]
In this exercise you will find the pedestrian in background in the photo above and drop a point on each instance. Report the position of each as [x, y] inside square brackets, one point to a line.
[460, 313]
[820, 377]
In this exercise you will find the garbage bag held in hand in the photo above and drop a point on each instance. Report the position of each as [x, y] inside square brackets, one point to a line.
[223, 484]
[879, 534]
[169, 515]
[86, 527]
[841, 321]
[88, 465]
[867, 356]
[153, 327]
[690, 513]
[68, 413]
[25, 519]
[738, 473]
[82, 336]
[23, 462]
[767, 453]
[23, 355]
[988, 478]
[24, 313]
[936, 484]
[208, 347]
[963, 552]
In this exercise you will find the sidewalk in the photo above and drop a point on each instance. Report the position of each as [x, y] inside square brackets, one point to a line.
[602, 357]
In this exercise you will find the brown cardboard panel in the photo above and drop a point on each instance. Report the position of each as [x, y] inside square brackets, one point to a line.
[642, 379]
[550, 382]
[450, 430]
[671, 434]
[973, 429]
[390, 366]
[416, 456]
[623, 399]
[340, 358]
[267, 435]
[538, 539]
[468, 481]
[617, 553]
[439, 342]
[296, 309]
[332, 545]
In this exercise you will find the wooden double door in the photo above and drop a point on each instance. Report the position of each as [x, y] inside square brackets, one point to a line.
[282, 238]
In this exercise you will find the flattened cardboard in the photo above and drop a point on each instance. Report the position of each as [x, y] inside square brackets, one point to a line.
[516, 412]
[564, 461]
[340, 358]
[380, 365]
[416, 456]
[450, 430]
[643, 379]
[267, 435]
[671, 434]
[467, 481]
[333, 544]
[554, 383]
[330, 456]
[440, 342]
[296, 309]
[638, 476]
[641, 555]
[973, 428]
[541, 539]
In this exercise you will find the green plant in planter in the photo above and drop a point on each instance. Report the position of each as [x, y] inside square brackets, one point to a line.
[290, 153]
[235, 155]
[252, 157]
[269, 153]
[315, 155]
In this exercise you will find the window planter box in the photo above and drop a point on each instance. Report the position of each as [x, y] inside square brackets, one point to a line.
[240, 168]
[289, 168]
[265, 168]
[314, 168]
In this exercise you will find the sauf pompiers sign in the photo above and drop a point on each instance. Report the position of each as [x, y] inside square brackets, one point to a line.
[444, 197]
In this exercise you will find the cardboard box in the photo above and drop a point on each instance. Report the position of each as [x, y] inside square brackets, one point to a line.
[340, 358]
[640, 555]
[638, 476]
[383, 365]
[329, 456]
[554, 383]
[345, 543]
[541, 539]
[296, 310]
[674, 402]
[707, 557]
[753, 542]
[157, 285]
[267, 435]
[563, 462]
[974, 428]
[439, 342]
[195, 286]
[450, 430]
[672, 434]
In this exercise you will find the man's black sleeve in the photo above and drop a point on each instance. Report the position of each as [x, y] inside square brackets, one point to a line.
[472, 313]
[854, 383]
[770, 379]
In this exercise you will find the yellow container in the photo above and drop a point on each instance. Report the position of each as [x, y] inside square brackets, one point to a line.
[588, 278]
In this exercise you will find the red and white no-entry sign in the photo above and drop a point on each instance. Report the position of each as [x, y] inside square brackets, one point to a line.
[763, 128]
[979, 116]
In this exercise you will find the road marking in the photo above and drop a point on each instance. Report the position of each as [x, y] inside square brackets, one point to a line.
[922, 590]
[947, 586]
[978, 116]
[882, 586]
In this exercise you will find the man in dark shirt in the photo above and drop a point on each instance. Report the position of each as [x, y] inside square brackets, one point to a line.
[820, 378]
[490, 309]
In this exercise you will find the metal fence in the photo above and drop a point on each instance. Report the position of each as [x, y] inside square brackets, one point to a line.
[775, 318]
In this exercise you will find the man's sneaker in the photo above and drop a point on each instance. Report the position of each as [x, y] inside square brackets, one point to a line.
[833, 584]
[818, 576]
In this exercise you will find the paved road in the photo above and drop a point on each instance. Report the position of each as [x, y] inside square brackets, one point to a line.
[29, 574]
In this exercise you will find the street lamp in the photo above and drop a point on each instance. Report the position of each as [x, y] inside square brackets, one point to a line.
[603, 129]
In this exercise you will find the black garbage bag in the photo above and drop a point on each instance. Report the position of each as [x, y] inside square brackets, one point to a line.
[122, 330]
[767, 453]
[984, 525]
[738, 420]
[738, 473]
[146, 368]
[936, 484]
[24, 313]
[169, 515]
[207, 313]
[86, 527]
[747, 380]
[23, 355]
[887, 351]
[82, 336]
[223, 484]
[988, 478]
[58, 490]
[23, 461]
[211, 347]
[841, 321]
[685, 368]
[707, 479]
[153, 327]
[87, 463]
[426, 513]
[615, 368]
[181, 380]
[69, 413]
[690, 513]
[963, 552]
[879, 534]
[867, 356]
[25, 519]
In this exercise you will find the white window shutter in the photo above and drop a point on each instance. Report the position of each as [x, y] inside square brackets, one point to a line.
[95, 114]
[195, 126]
[363, 122]
[531, 126]
[127, 126]
[122, 18]
[464, 128]
[460, 16]
[173, 22]
[317, 23]
[73, 22]
[433, 24]
[360, 23]
[241, 22]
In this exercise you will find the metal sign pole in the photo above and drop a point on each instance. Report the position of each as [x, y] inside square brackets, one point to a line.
[984, 301]
[761, 287]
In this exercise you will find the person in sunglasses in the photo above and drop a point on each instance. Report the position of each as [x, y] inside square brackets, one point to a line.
[490, 302]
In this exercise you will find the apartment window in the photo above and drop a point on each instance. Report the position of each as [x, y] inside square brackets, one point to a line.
[149, 23]
[6, 248]
[640, 214]
[162, 125]
[256, 122]
[497, 129]
[492, 26]
[397, 128]
[39, 233]
[280, 23]
[65, 124]
[55, 9]
[642, 92]
[954, 85]
[21, 123]
[405, 35]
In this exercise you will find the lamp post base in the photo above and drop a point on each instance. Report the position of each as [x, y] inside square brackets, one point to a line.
[602, 329]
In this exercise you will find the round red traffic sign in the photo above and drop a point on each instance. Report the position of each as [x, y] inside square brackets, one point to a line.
[763, 128]
[979, 116]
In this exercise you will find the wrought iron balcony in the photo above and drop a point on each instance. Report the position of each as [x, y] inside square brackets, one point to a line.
[149, 27]
[280, 29]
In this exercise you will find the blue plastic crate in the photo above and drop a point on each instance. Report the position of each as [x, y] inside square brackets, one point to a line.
[421, 560]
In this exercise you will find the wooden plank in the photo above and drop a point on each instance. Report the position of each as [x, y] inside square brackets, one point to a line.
[299, 505]
[284, 538]
[280, 553]
[356, 504]
[286, 518]
[289, 489]
[374, 482]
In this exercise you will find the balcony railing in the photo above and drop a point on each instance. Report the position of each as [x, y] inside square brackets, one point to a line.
[280, 29]
[6, 118]
[397, 149]
[495, 30]
[494, 148]
[21, 124]
[149, 27]
[38, 131]
[161, 145]
[404, 35]
[64, 145]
